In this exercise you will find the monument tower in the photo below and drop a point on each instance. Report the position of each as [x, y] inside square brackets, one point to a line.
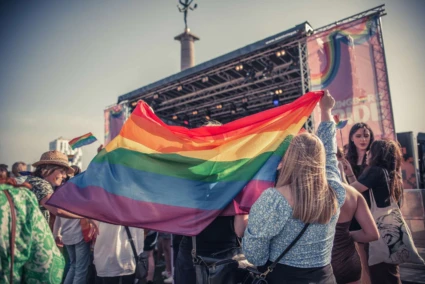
[187, 39]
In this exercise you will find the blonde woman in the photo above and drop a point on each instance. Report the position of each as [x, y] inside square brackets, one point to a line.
[308, 190]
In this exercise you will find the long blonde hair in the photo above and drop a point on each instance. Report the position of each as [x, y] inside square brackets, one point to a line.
[303, 169]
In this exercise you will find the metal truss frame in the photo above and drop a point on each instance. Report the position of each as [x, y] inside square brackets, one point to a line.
[232, 89]
[305, 79]
[382, 83]
[194, 97]
[378, 10]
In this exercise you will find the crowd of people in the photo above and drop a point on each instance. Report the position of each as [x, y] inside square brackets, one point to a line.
[321, 200]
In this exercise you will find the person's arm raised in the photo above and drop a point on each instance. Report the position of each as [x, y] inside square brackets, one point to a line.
[327, 134]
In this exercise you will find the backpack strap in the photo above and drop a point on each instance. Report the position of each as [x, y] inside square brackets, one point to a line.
[133, 247]
[12, 233]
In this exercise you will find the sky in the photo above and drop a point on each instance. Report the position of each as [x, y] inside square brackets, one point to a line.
[63, 62]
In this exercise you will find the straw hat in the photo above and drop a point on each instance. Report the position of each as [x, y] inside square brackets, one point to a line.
[54, 158]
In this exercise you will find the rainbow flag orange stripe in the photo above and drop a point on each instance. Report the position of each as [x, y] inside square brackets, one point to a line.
[177, 180]
[80, 141]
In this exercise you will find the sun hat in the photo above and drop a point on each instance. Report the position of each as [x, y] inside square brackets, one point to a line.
[54, 158]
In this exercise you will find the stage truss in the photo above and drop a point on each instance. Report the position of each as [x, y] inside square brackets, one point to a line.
[260, 76]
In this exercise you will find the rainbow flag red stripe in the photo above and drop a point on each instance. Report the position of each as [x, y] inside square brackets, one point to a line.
[177, 180]
[80, 141]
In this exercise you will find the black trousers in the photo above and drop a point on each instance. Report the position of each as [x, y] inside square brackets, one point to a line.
[184, 270]
[125, 279]
[285, 274]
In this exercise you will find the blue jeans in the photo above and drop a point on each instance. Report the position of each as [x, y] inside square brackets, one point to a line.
[79, 259]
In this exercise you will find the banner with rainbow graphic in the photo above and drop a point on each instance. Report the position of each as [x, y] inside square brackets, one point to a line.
[348, 60]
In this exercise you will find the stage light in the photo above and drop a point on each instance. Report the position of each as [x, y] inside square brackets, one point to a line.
[179, 88]
[220, 106]
[175, 117]
[208, 114]
[155, 96]
[244, 100]
[275, 100]
[278, 92]
[195, 112]
[205, 79]
[280, 53]
[239, 67]
[233, 108]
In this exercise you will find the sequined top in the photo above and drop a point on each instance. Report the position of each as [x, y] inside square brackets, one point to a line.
[271, 227]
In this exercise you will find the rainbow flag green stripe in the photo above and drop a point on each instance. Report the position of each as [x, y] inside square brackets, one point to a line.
[190, 168]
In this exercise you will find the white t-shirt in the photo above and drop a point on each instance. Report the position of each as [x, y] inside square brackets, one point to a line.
[69, 229]
[113, 255]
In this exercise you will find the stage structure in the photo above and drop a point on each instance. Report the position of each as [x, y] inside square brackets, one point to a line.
[259, 76]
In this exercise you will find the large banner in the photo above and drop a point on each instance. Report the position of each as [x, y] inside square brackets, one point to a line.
[349, 61]
[115, 116]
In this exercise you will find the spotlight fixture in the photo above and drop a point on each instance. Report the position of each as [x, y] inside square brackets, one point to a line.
[179, 88]
[233, 108]
[275, 100]
[205, 79]
[175, 117]
[280, 53]
[208, 114]
[239, 67]
[219, 106]
[195, 112]
[278, 92]
[155, 96]
[244, 100]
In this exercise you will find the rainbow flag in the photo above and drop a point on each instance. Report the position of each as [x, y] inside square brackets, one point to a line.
[81, 141]
[340, 124]
[178, 180]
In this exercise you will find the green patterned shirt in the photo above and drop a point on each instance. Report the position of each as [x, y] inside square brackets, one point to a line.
[37, 258]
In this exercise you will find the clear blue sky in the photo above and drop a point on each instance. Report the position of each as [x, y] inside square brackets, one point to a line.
[63, 62]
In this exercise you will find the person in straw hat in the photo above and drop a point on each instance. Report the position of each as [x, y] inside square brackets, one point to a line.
[50, 172]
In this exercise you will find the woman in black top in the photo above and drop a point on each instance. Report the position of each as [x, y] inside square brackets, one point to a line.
[383, 159]
[360, 139]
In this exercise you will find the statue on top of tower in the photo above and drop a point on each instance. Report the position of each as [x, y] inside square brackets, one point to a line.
[184, 8]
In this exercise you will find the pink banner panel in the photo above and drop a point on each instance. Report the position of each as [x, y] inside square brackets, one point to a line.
[348, 60]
